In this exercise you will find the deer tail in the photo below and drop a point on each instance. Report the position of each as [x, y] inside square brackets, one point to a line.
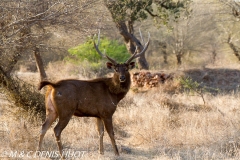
[44, 83]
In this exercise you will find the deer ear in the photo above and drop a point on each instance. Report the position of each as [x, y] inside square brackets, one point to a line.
[109, 65]
[131, 65]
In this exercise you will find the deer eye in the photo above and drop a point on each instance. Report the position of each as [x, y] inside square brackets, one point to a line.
[116, 69]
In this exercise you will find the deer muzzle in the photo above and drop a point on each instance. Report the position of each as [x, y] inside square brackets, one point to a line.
[122, 78]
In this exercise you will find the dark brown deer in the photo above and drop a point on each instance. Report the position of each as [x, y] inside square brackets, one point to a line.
[88, 98]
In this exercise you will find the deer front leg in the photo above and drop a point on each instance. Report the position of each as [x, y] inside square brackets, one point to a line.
[109, 127]
[100, 128]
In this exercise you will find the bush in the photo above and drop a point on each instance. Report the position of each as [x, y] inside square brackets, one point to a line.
[86, 51]
[23, 95]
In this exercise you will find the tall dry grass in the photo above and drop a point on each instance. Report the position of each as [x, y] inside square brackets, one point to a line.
[161, 123]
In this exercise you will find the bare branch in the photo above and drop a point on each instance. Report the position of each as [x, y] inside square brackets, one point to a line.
[99, 52]
[135, 55]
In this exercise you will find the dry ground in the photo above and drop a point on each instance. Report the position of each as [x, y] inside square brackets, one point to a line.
[161, 123]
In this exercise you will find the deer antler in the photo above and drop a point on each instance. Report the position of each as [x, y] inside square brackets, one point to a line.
[100, 53]
[135, 55]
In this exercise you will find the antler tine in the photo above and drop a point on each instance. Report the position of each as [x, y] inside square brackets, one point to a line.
[132, 57]
[135, 55]
[99, 52]
[110, 59]
[141, 35]
[96, 45]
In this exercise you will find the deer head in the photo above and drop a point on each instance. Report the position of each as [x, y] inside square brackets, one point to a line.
[121, 69]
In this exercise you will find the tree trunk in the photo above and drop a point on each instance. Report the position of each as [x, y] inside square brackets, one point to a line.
[39, 63]
[235, 51]
[179, 59]
[132, 42]
[165, 57]
[233, 47]
[214, 55]
[163, 48]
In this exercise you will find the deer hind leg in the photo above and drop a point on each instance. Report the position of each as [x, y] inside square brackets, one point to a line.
[62, 123]
[109, 127]
[50, 118]
[100, 128]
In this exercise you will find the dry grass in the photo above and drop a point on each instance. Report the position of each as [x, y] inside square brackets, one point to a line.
[162, 123]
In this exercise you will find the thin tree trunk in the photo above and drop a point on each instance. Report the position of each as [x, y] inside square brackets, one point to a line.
[235, 51]
[163, 48]
[165, 57]
[179, 59]
[233, 47]
[214, 54]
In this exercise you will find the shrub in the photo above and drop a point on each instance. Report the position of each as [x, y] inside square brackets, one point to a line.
[86, 51]
[23, 95]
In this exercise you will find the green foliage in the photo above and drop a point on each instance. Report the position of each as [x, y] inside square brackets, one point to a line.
[171, 9]
[129, 10]
[190, 85]
[86, 51]
[193, 87]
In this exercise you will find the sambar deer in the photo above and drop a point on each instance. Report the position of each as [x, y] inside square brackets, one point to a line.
[88, 98]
